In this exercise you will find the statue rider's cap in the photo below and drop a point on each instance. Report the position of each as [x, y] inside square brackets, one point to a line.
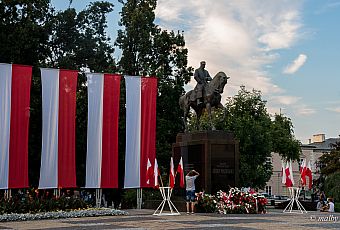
[203, 62]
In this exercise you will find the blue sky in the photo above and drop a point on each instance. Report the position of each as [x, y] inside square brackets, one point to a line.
[290, 50]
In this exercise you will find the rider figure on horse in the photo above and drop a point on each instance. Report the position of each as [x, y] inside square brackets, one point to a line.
[202, 77]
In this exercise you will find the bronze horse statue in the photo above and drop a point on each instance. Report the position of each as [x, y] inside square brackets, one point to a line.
[211, 98]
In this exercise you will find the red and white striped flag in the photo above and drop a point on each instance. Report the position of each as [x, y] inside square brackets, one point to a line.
[102, 130]
[309, 174]
[149, 172]
[15, 86]
[156, 173]
[180, 170]
[283, 172]
[289, 174]
[141, 94]
[58, 168]
[303, 169]
[172, 174]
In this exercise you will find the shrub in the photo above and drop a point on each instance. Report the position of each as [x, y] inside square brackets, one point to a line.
[33, 203]
[206, 203]
[337, 207]
[332, 186]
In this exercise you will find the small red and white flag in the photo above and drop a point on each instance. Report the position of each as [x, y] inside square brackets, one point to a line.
[289, 174]
[102, 130]
[172, 174]
[180, 171]
[283, 172]
[156, 174]
[58, 167]
[303, 169]
[149, 172]
[15, 86]
[141, 94]
[309, 174]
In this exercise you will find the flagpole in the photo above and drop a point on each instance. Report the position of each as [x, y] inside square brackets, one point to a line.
[161, 180]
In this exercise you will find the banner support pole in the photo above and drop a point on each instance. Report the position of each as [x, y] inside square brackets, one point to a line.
[139, 198]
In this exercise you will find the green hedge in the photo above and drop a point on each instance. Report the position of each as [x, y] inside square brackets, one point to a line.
[31, 202]
[337, 207]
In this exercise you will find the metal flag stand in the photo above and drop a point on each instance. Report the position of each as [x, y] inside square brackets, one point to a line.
[166, 194]
[294, 197]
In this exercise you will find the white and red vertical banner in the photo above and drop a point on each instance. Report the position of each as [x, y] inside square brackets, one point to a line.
[289, 174]
[58, 166]
[141, 94]
[102, 130]
[172, 174]
[149, 172]
[303, 169]
[283, 172]
[156, 174]
[180, 171]
[15, 86]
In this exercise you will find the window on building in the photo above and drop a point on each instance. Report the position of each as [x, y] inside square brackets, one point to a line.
[269, 190]
[301, 160]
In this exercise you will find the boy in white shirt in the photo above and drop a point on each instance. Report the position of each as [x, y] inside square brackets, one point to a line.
[190, 189]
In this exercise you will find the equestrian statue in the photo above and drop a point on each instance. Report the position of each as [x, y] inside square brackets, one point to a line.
[205, 95]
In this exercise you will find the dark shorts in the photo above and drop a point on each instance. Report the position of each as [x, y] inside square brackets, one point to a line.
[190, 196]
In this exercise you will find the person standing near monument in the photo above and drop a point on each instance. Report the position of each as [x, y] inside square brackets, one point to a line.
[190, 189]
[202, 77]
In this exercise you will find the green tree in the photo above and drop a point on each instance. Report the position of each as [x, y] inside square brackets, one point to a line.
[284, 141]
[150, 51]
[246, 116]
[332, 185]
[23, 32]
[79, 40]
[249, 120]
[330, 163]
[329, 179]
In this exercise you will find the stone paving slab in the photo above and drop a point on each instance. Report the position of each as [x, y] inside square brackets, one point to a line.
[143, 219]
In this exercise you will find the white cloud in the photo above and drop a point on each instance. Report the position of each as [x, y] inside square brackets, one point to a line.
[337, 110]
[304, 110]
[240, 38]
[285, 100]
[296, 65]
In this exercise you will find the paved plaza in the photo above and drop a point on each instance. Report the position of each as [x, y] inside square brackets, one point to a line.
[143, 219]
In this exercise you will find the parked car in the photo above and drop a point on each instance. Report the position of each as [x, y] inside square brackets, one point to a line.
[266, 195]
[279, 197]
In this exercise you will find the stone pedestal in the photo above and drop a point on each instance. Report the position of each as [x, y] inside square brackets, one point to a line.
[214, 154]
